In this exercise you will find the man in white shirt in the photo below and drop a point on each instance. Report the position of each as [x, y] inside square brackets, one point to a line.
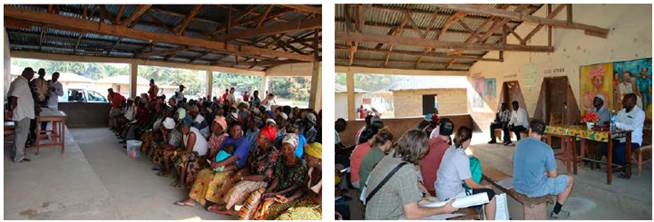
[56, 90]
[519, 120]
[21, 107]
[630, 118]
[179, 97]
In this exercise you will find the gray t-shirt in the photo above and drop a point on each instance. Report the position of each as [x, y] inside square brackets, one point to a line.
[532, 158]
[454, 168]
[401, 189]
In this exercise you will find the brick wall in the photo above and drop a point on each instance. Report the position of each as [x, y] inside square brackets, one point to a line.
[408, 103]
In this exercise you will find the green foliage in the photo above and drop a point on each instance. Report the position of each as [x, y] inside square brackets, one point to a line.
[294, 88]
[222, 81]
[368, 82]
[194, 80]
[93, 71]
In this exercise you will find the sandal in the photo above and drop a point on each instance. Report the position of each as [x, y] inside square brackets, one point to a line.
[185, 203]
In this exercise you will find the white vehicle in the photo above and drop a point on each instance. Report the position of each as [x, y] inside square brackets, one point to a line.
[82, 95]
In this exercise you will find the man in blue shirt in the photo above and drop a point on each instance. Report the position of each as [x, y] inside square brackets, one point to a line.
[534, 170]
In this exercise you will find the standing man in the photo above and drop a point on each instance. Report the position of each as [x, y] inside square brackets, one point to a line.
[115, 112]
[502, 118]
[534, 170]
[21, 110]
[180, 94]
[231, 98]
[56, 90]
[40, 88]
[152, 92]
[631, 118]
[519, 120]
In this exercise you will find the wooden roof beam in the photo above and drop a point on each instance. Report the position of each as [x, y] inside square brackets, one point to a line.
[275, 29]
[455, 17]
[344, 36]
[306, 8]
[179, 30]
[136, 14]
[520, 16]
[340, 47]
[75, 24]
[539, 26]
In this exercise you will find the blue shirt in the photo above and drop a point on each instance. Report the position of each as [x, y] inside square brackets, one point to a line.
[603, 114]
[299, 151]
[532, 158]
[242, 149]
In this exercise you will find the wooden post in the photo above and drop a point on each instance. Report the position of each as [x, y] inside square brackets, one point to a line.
[351, 114]
[209, 83]
[314, 93]
[133, 74]
[262, 92]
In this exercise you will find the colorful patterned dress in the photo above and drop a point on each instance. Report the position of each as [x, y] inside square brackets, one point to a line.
[287, 177]
[307, 208]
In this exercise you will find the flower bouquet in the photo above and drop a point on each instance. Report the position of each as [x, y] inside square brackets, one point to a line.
[591, 119]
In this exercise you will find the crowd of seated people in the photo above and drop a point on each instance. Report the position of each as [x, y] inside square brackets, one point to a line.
[393, 177]
[240, 157]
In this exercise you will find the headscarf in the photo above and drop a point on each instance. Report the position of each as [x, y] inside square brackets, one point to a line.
[169, 123]
[269, 132]
[291, 138]
[600, 97]
[311, 118]
[220, 120]
[314, 150]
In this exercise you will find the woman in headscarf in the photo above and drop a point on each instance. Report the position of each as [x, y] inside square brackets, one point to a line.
[193, 157]
[308, 202]
[210, 183]
[289, 177]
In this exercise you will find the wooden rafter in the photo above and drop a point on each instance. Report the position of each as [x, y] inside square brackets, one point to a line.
[398, 31]
[187, 20]
[75, 24]
[136, 14]
[264, 16]
[275, 29]
[119, 15]
[393, 61]
[436, 44]
[455, 17]
[414, 53]
[164, 52]
[305, 8]
[539, 26]
[516, 16]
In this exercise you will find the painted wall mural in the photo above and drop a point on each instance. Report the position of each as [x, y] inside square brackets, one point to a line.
[614, 80]
[486, 89]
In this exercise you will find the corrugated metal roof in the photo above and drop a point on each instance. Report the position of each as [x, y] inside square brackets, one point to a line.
[157, 19]
[382, 18]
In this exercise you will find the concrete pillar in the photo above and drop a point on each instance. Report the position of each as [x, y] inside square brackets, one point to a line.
[209, 83]
[351, 114]
[315, 101]
[7, 62]
[133, 73]
[262, 91]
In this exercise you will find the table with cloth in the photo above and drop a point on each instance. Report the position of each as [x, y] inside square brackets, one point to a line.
[570, 133]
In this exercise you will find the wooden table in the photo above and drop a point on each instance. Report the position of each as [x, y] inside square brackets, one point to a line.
[58, 131]
[568, 135]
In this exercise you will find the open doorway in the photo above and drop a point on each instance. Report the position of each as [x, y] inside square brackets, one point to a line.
[511, 92]
[556, 102]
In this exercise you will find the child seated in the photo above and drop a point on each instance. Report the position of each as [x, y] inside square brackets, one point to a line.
[224, 154]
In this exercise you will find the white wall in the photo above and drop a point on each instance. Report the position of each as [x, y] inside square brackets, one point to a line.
[630, 37]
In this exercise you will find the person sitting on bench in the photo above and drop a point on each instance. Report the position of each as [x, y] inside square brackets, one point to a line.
[502, 118]
[454, 171]
[519, 120]
[534, 170]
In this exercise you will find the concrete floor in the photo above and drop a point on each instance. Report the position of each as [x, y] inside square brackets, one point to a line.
[592, 198]
[93, 179]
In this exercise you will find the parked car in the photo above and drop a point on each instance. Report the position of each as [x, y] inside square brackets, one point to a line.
[82, 95]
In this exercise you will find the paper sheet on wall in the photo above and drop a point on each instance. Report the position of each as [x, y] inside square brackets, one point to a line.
[461, 202]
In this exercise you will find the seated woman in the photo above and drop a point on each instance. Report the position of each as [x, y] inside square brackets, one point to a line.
[209, 185]
[261, 164]
[171, 140]
[454, 171]
[193, 157]
[308, 205]
[381, 144]
[289, 176]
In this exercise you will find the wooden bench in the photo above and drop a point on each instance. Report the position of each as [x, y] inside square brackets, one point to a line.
[639, 157]
[533, 208]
